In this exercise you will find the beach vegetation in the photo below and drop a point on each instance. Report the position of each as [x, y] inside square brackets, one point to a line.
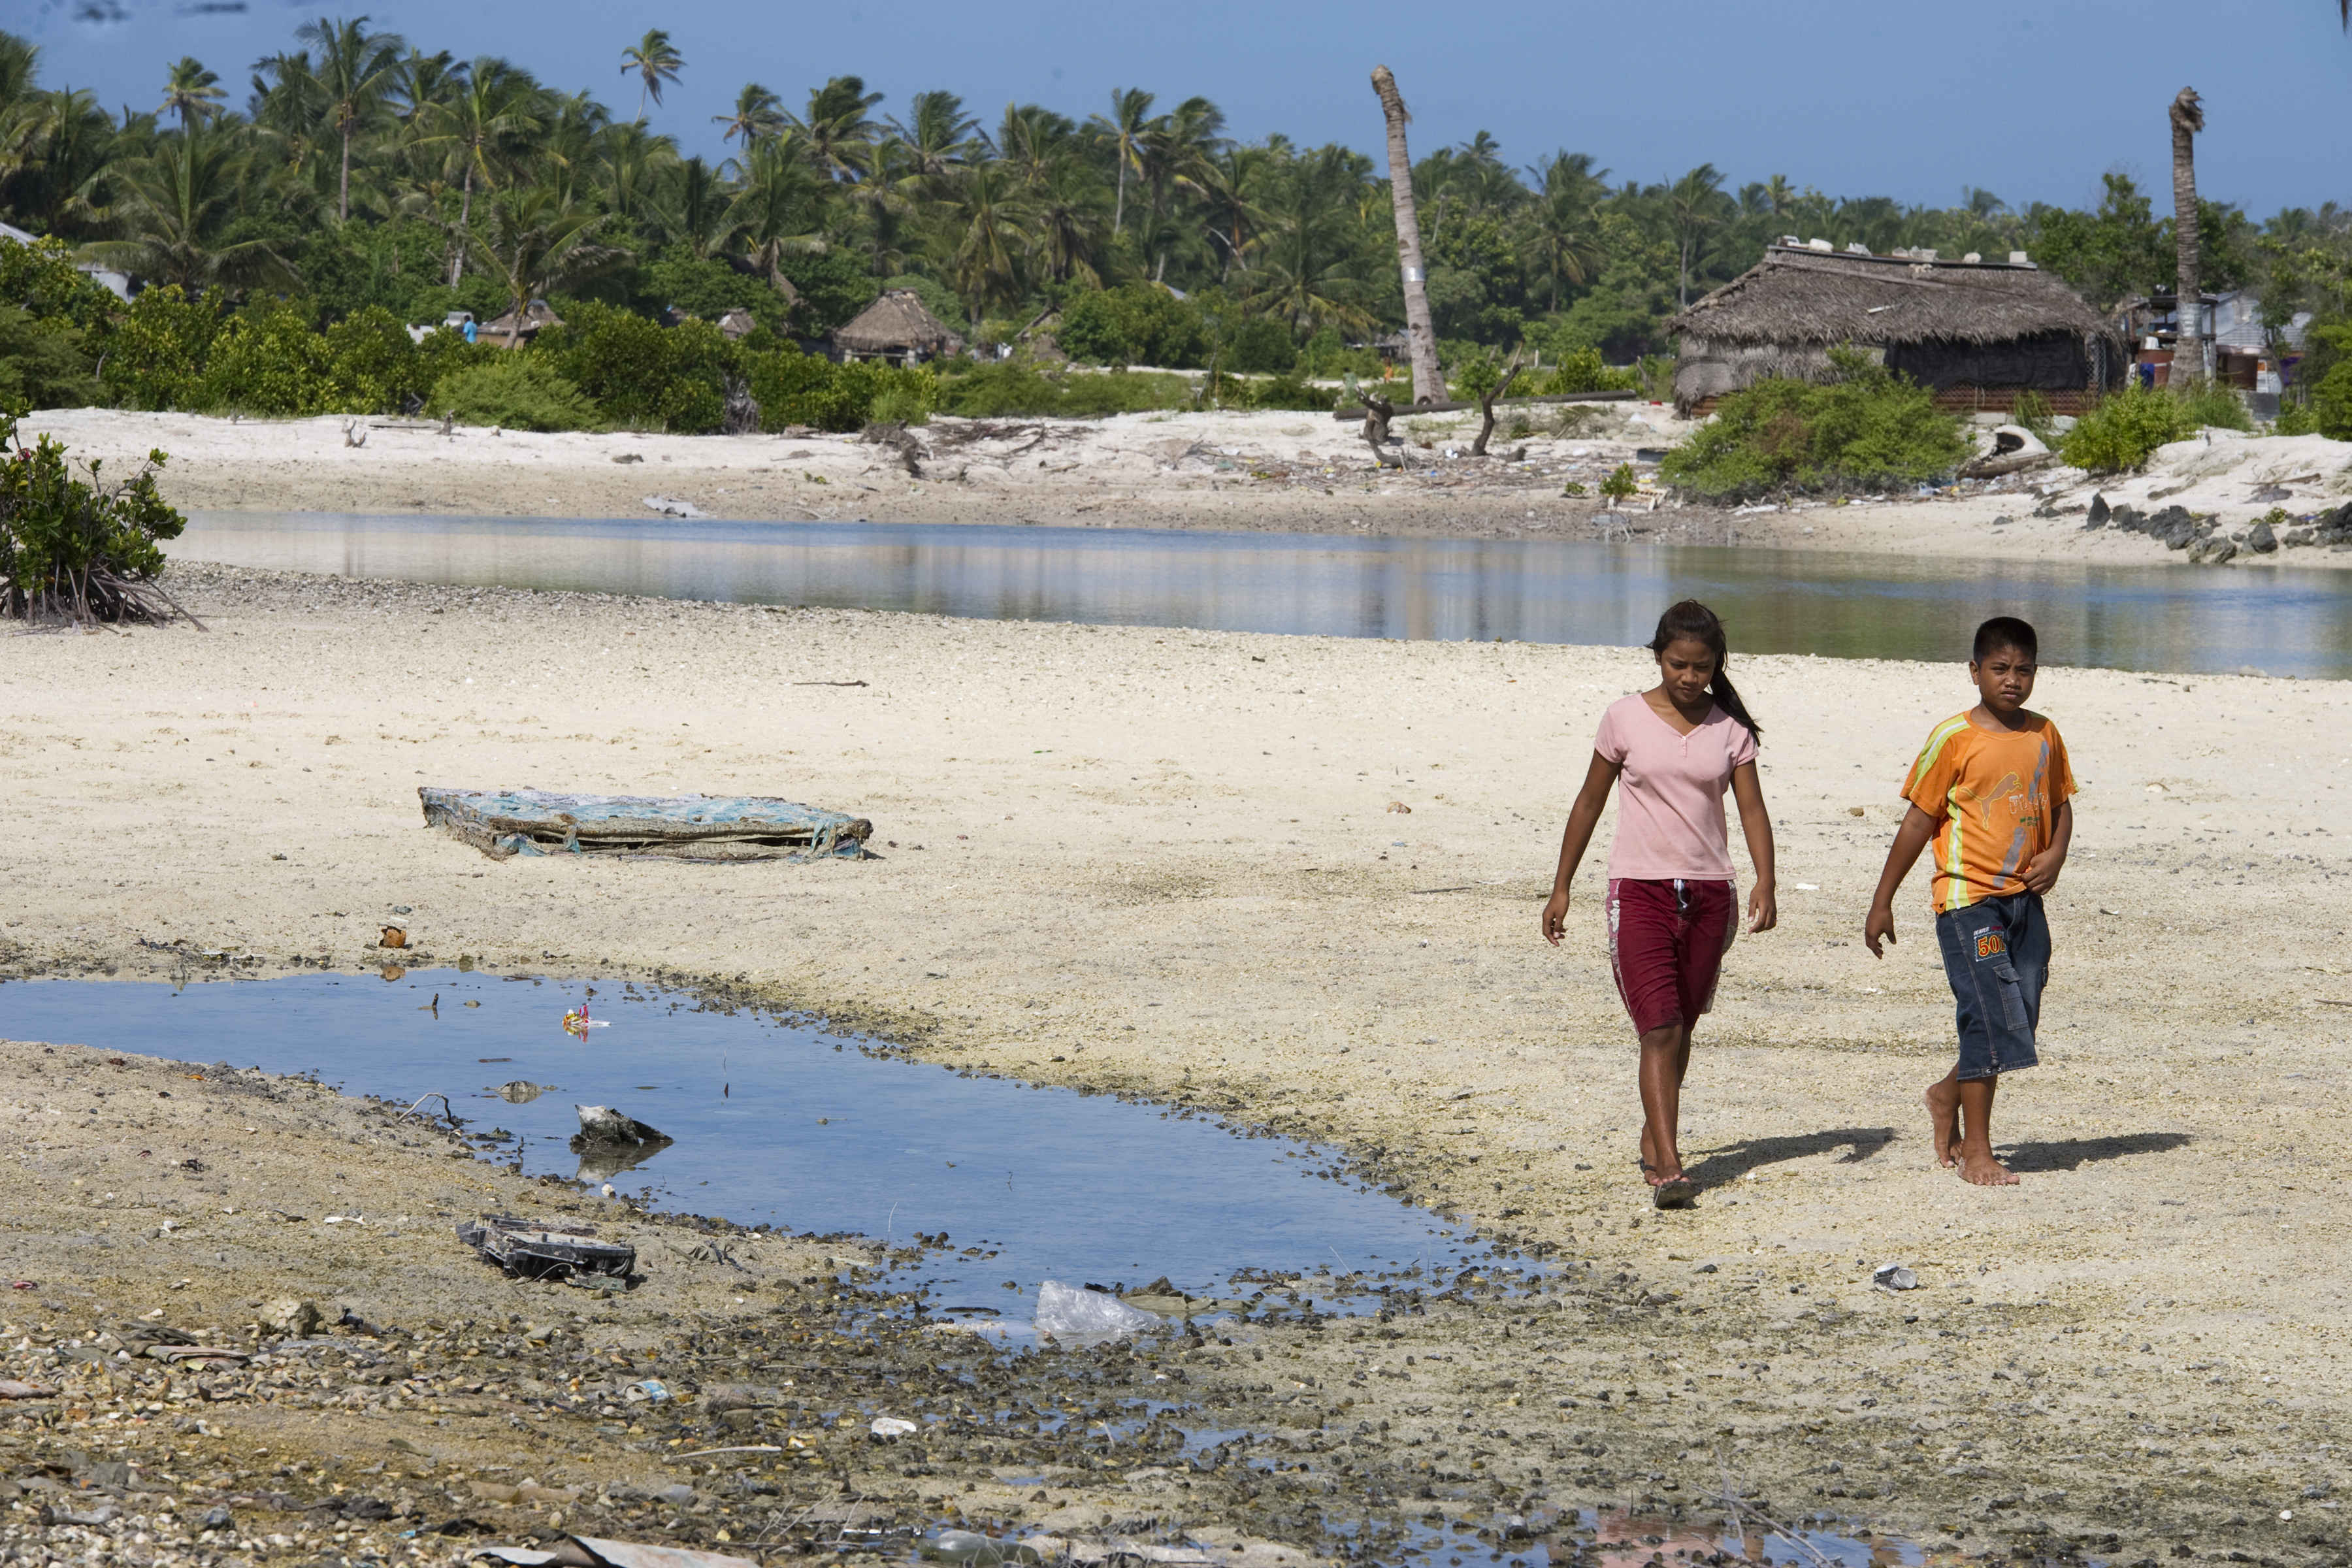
[2127, 427]
[514, 391]
[1863, 426]
[76, 547]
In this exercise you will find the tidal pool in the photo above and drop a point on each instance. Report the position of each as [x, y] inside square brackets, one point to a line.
[783, 1121]
[2284, 620]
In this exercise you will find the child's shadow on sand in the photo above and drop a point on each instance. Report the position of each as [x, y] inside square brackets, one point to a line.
[1716, 1167]
[2073, 1153]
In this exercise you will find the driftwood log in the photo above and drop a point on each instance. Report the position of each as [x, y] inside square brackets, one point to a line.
[1543, 398]
[1378, 412]
[2008, 463]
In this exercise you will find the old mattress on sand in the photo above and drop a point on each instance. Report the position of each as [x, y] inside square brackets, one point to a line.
[502, 822]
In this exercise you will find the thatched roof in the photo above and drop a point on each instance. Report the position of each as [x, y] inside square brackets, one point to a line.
[896, 323]
[517, 325]
[736, 323]
[1799, 295]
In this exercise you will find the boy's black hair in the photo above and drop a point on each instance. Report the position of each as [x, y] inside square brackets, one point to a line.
[2005, 631]
[1694, 622]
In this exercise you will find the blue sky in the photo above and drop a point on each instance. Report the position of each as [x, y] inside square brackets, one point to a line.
[2029, 99]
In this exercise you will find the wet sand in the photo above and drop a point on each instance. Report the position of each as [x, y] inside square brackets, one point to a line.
[1166, 862]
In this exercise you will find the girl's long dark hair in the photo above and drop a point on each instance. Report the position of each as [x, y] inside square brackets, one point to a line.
[1691, 621]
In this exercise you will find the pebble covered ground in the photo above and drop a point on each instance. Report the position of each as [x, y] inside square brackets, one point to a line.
[1188, 840]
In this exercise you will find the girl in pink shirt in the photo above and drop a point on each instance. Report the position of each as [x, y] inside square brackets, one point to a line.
[1678, 746]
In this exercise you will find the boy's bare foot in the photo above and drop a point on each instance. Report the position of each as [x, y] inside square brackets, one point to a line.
[1943, 1102]
[1982, 1170]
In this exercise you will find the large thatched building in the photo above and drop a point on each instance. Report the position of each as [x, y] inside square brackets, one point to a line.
[1977, 332]
[897, 326]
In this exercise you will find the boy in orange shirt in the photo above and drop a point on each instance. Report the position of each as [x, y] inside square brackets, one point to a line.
[1990, 789]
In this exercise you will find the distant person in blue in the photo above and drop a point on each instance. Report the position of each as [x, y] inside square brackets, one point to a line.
[469, 329]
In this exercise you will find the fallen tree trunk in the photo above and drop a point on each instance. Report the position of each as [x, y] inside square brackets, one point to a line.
[1540, 397]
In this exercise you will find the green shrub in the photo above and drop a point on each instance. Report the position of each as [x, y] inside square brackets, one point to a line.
[1276, 391]
[42, 280]
[82, 549]
[1005, 389]
[1583, 370]
[642, 375]
[796, 388]
[41, 362]
[372, 366]
[703, 287]
[2127, 427]
[1137, 323]
[268, 360]
[1620, 483]
[1262, 346]
[153, 353]
[1864, 426]
[1327, 355]
[516, 391]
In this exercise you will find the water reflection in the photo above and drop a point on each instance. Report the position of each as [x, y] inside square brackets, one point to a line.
[2284, 620]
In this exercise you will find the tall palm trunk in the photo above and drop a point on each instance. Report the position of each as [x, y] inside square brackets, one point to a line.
[1421, 338]
[343, 207]
[2194, 344]
[464, 218]
[1118, 208]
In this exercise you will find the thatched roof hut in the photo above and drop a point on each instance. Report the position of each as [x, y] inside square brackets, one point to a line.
[896, 326]
[517, 327]
[736, 323]
[1977, 332]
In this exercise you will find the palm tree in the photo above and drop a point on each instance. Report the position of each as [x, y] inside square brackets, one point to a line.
[987, 256]
[535, 244]
[2188, 116]
[179, 206]
[20, 65]
[1232, 186]
[1064, 213]
[1694, 205]
[355, 69]
[484, 132]
[1122, 131]
[838, 130]
[191, 91]
[655, 61]
[779, 208]
[423, 83]
[1563, 227]
[632, 163]
[1421, 338]
[938, 136]
[759, 114]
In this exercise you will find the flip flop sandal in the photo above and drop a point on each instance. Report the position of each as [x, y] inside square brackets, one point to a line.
[1672, 1193]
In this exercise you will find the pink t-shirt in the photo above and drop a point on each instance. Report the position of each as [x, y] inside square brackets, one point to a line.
[1670, 800]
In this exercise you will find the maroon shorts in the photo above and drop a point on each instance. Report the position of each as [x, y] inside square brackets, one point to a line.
[1666, 942]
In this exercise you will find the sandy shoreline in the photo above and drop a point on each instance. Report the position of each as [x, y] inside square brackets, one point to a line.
[2140, 1347]
[1233, 472]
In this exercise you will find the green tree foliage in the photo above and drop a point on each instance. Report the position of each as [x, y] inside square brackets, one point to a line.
[795, 388]
[1012, 389]
[42, 280]
[1583, 370]
[1866, 426]
[514, 391]
[360, 174]
[76, 548]
[155, 351]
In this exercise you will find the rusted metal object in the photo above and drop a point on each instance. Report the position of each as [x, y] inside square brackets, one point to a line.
[538, 1249]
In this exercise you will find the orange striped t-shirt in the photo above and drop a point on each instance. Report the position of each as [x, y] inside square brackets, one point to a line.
[1992, 793]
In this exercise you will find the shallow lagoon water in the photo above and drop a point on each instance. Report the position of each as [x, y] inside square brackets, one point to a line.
[780, 1121]
[2283, 620]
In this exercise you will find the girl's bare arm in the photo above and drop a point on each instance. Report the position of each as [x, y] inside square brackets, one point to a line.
[1756, 823]
[1582, 818]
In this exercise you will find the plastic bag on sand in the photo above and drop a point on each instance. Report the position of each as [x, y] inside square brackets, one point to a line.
[1066, 1310]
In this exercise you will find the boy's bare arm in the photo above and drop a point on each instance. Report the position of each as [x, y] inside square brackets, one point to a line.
[2040, 873]
[1910, 838]
[1582, 818]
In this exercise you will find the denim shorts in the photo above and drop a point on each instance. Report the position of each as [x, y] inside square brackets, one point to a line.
[1996, 956]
